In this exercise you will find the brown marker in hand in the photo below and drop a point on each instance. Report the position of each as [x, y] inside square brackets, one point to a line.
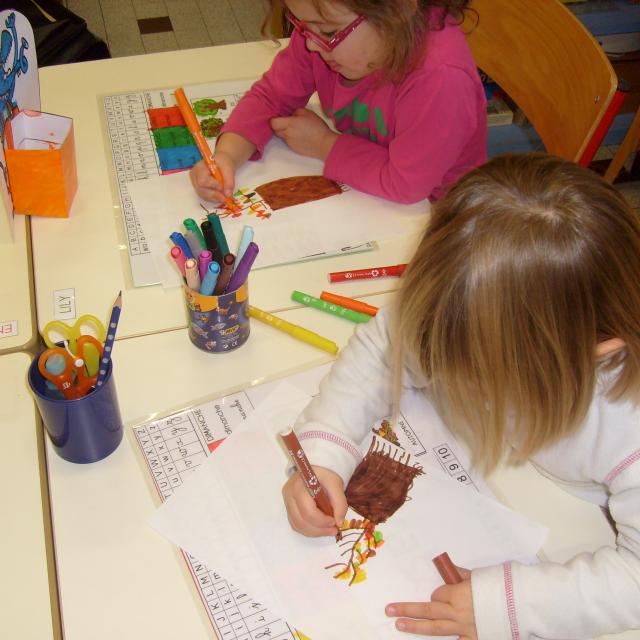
[310, 479]
[447, 569]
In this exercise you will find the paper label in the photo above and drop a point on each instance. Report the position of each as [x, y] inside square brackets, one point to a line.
[8, 329]
[64, 304]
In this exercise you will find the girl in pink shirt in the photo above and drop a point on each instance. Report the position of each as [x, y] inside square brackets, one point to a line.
[398, 82]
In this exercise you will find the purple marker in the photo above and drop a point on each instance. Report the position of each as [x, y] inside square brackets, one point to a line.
[244, 266]
[204, 259]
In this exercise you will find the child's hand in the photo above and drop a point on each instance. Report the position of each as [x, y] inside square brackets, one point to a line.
[449, 613]
[206, 186]
[305, 133]
[304, 515]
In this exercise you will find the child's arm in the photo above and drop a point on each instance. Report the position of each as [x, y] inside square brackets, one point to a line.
[285, 87]
[591, 595]
[440, 121]
[353, 396]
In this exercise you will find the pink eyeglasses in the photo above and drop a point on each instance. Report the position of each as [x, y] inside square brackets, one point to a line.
[316, 38]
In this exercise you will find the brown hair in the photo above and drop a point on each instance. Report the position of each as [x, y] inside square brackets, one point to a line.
[403, 26]
[527, 263]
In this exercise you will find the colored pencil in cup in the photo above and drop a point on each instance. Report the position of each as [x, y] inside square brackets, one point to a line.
[108, 343]
[194, 128]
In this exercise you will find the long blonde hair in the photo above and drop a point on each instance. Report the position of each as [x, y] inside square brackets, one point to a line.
[527, 263]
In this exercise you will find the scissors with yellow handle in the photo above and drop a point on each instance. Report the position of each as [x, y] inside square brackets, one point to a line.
[73, 380]
[57, 331]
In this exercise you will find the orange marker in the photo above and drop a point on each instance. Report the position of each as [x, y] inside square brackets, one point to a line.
[194, 127]
[349, 303]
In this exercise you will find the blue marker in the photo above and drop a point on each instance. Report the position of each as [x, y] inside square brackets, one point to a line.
[179, 240]
[210, 279]
[245, 239]
[55, 364]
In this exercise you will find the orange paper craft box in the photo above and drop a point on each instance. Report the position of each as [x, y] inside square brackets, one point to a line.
[41, 162]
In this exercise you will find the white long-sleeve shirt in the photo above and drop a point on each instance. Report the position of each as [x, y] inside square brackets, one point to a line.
[590, 595]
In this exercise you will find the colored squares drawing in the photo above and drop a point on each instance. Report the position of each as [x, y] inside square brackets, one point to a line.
[178, 158]
[174, 144]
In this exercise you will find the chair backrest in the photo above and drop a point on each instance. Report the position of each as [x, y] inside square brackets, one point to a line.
[547, 61]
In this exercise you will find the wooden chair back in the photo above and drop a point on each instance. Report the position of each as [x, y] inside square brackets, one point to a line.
[542, 56]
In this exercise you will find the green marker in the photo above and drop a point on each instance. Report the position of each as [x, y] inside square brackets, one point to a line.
[219, 233]
[328, 307]
[191, 225]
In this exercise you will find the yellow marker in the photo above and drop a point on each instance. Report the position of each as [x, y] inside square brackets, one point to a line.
[294, 330]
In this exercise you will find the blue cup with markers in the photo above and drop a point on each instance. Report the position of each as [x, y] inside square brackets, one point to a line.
[84, 429]
[218, 324]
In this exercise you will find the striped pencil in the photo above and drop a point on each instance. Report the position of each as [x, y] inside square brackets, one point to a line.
[108, 343]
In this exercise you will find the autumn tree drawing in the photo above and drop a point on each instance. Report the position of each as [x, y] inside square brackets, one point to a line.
[379, 486]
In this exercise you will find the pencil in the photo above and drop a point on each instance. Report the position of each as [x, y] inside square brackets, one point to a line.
[447, 569]
[194, 128]
[108, 343]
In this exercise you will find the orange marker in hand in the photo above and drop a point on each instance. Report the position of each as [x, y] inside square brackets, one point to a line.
[194, 127]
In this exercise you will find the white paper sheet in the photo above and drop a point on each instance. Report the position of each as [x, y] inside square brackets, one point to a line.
[230, 515]
[301, 232]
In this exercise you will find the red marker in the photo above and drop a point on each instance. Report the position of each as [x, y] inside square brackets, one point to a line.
[367, 274]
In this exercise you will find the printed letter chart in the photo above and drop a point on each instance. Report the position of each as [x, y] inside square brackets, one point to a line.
[148, 137]
[174, 446]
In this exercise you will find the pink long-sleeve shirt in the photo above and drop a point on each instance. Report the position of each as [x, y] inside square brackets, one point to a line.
[404, 141]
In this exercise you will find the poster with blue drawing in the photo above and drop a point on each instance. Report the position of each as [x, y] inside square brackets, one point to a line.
[19, 90]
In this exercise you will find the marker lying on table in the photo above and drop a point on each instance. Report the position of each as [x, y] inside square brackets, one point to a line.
[447, 569]
[294, 330]
[335, 309]
[395, 270]
[194, 128]
[349, 303]
[310, 479]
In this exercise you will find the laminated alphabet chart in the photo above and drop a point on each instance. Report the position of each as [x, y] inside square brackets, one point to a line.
[149, 138]
[174, 446]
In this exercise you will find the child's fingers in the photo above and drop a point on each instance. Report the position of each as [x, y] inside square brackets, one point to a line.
[315, 525]
[279, 125]
[228, 175]
[420, 610]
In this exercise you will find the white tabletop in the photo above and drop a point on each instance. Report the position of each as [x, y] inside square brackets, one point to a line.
[17, 319]
[108, 556]
[86, 256]
[25, 606]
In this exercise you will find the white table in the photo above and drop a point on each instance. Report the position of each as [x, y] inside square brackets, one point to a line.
[97, 266]
[25, 601]
[100, 511]
[17, 308]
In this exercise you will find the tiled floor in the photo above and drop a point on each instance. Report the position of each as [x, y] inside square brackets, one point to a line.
[132, 27]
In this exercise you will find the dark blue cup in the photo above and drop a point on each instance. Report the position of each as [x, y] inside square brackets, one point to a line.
[83, 430]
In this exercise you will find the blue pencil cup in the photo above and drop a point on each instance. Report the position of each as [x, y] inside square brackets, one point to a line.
[83, 430]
